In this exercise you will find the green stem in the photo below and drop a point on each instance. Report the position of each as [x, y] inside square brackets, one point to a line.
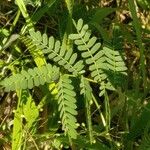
[17, 125]
[107, 112]
[89, 122]
[25, 14]
[98, 108]
[15, 21]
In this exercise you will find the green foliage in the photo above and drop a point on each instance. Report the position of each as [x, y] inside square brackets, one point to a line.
[86, 91]
[105, 64]
[32, 77]
[28, 111]
[145, 143]
[67, 106]
[100, 60]
[33, 2]
[17, 129]
[57, 53]
[144, 4]
[101, 13]
[136, 25]
[140, 124]
[79, 77]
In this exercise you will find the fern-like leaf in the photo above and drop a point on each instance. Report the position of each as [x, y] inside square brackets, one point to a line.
[57, 52]
[115, 62]
[91, 52]
[100, 61]
[116, 68]
[67, 106]
[32, 77]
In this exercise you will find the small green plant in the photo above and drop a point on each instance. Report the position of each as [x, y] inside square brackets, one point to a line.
[104, 63]
[74, 84]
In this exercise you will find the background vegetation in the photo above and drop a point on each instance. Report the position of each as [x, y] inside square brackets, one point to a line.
[75, 74]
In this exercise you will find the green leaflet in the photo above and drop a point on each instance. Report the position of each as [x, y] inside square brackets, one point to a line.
[67, 106]
[32, 77]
